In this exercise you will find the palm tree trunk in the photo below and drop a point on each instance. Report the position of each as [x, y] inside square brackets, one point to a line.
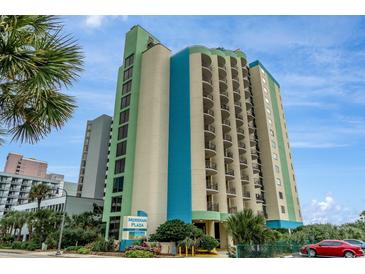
[30, 230]
[39, 203]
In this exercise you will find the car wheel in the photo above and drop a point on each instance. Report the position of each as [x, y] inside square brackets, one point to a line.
[349, 254]
[312, 253]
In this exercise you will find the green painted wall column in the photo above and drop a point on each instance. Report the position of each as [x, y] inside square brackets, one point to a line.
[136, 42]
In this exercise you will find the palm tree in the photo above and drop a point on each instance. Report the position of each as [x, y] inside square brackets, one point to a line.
[36, 61]
[30, 217]
[247, 228]
[19, 221]
[39, 192]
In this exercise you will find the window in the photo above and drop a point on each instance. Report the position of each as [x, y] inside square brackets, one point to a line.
[129, 60]
[278, 181]
[265, 90]
[281, 195]
[262, 71]
[267, 100]
[116, 205]
[118, 184]
[121, 148]
[282, 209]
[127, 87]
[275, 156]
[124, 117]
[273, 144]
[119, 166]
[128, 74]
[270, 121]
[125, 101]
[122, 132]
[277, 169]
[263, 80]
[114, 225]
[268, 110]
[272, 133]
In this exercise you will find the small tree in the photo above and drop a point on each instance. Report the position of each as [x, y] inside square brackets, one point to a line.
[39, 192]
[247, 228]
[170, 231]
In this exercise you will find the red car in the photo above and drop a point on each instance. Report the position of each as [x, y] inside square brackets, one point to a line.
[332, 248]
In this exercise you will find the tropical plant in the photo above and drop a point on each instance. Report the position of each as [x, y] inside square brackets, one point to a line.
[39, 192]
[208, 242]
[36, 61]
[247, 228]
[46, 222]
[102, 245]
[170, 231]
[139, 254]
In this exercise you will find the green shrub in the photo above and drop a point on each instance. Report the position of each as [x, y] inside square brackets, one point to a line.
[102, 246]
[16, 245]
[139, 254]
[175, 231]
[208, 242]
[83, 250]
[30, 245]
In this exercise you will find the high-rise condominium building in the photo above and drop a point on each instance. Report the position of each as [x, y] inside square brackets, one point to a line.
[94, 158]
[18, 164]
[197, 136]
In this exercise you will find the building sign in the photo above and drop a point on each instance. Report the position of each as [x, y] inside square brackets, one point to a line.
[134, 227]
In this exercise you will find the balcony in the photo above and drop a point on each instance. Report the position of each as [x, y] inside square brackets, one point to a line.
[234, 71]
[244, 72]
[207, 87]
[255, 168]
[206, 60]
[209, 149]
[212, 188]
[208, 116]
[239, 120]
[224, 97]
[258, 183]
[241, 147]
[253, 141]
[232, 209]
[254, 155]
[207, 72]
[228, 157]
[251, 128]
[247, 91]
[229, 174]
[231, 191]
[245, 179]
[225, 111]
[209, 132]
[211, 206]
[240, 133]
[208, 100]
[236, 95]
[238, 106]
[235, 83]
[246, 83]
[226, 126]
[221, 61]
[260, 198]
[250, 115]
[227, 140]
[222, 73]
[248, 104]
[223, 86]
[243, 163]
[246, 195]
[211, 168]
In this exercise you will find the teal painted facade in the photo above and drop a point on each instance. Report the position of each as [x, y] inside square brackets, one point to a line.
[283, 224]
[179, 199]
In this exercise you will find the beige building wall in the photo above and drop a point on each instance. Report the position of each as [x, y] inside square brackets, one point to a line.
[151, 155]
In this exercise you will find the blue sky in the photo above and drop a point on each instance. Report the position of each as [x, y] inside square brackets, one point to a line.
[318, 61]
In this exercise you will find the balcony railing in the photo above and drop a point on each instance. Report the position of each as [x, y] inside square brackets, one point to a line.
[226, 122]
[210, 146]
[230, 172]
[246, 194]
[210, 165]
[212, 186]
[227, 138]
[209, 112]
[241, 145]
[225, 107]
[241, 130]
[209, 128]
[239, 116]
[232, 209]
[228, 154]
[243, 161]
[211, 206]
[231, 190]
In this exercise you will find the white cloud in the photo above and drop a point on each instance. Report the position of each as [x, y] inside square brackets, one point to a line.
[328, 210]
[94, 21]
